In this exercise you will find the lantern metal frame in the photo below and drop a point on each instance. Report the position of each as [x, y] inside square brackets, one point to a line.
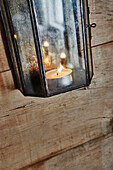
[7, 22]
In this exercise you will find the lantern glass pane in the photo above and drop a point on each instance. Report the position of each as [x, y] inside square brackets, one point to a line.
[24, 39]
[12, 53]
[50, 42]
[60, 24]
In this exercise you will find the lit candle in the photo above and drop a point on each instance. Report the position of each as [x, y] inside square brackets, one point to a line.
[61, 77]
[63, 55]
[63, 59]
[46, 53]
[15, 36]
[46, 44]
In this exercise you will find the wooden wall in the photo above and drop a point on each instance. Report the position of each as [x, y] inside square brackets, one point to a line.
[71, 131]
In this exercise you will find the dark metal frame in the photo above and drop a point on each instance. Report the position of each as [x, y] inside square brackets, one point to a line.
[39, 51]
[13, 41]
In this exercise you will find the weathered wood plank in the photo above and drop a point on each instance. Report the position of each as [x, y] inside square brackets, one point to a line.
[102, 15]
[3, 59]
[6, 83]
[32, 130]
[41, 130]
[103, 64]
[95, 155]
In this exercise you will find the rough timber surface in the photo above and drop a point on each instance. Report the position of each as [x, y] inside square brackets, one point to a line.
[101, 13]
[33, 129]
[67, 131]
[3, 59]
[94, 155]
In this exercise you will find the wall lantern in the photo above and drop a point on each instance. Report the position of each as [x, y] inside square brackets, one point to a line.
[49, 43]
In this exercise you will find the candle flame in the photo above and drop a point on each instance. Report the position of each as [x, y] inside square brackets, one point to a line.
[46, 44]
[15, 36]
[63, 55]
[60, 69]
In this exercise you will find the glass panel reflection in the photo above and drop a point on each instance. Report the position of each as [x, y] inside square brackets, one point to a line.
[61, 37]
[51, 44]
[23, 34]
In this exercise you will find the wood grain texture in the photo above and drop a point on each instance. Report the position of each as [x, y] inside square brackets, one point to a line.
[36, 128]
[3, 59]
[6, 83]
[66, 129]
[102, 14]
[95, 155]
[103, 68]
[28, 136]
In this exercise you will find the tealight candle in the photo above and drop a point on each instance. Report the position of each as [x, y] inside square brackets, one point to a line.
[61, 77]
[47, 60]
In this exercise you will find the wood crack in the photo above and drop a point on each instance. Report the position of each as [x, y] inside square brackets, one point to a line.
[93, 88]
[5, 147]
[5, 70]
[23, 106]
[106, 43]
[101, 118]
[60, 152]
